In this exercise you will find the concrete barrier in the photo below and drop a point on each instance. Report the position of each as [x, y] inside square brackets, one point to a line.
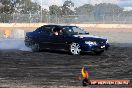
[116, 33]
[20, 25]
[104, 25]
[17, 34]
[7, 28]
[35, 25]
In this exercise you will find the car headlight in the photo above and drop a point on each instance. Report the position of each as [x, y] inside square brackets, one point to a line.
[107, 41]
[90, 43]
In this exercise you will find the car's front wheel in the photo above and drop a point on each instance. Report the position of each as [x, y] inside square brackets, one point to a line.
[75, 49]
[98, 52]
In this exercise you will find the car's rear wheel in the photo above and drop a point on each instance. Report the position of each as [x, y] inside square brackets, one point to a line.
[26, 44]
[75, 49]
[35, 47]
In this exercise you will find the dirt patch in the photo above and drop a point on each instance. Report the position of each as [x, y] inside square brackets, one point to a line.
[48, 69]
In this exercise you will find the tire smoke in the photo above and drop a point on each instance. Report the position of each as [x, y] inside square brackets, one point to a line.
[15, 44]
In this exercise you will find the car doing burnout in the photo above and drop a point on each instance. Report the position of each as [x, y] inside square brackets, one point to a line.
[70, 38]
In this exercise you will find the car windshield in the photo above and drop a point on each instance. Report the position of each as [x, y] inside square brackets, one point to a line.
[74, 30]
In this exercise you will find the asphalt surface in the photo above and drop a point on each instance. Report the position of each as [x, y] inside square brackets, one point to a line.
[54, 69]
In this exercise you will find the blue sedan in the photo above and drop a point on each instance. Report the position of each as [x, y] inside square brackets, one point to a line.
[70, 38]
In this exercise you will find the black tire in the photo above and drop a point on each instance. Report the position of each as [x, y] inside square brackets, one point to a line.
[27, 44]
[74, 49]
[98, 52]
[35, 47]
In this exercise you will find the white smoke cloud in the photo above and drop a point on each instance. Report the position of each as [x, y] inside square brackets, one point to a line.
[103, 1]
[9, 44]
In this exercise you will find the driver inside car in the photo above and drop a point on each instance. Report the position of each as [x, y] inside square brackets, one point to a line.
[57, 31]
[60, 32]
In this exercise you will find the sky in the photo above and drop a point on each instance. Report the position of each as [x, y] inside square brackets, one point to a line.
[126, 4]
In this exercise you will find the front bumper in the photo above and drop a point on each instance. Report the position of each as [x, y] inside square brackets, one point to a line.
[87, 48]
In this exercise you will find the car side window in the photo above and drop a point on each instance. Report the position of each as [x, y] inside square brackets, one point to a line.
[68, 30]
[42, 30]
[57, 31]
[49, 29]
[39, 30]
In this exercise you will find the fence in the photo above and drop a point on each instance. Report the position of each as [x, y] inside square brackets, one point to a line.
[36, 18]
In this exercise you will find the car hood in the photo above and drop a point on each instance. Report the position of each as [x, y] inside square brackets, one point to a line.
[90, 37]
[29, 34]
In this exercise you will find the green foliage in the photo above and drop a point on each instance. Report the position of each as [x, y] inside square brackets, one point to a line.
[98, 12]
[84, 10]
[17, 6]
[105, 8]
[62, 10]
[55, 10]
[5, 17]
[100, 9]
[66, 8]
[27, 6]
[68, 4]
[7, 6]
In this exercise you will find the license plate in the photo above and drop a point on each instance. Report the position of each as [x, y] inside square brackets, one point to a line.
[102, 46]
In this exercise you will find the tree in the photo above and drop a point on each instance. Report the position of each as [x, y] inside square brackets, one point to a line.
[45, 12]
[66, 8]
[84, 10]
[54, 10]
[7, 6]
[1, 5]
[106, 9]
[26, 6]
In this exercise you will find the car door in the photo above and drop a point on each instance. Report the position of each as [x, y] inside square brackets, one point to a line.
[58, 41]
[42, 37]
